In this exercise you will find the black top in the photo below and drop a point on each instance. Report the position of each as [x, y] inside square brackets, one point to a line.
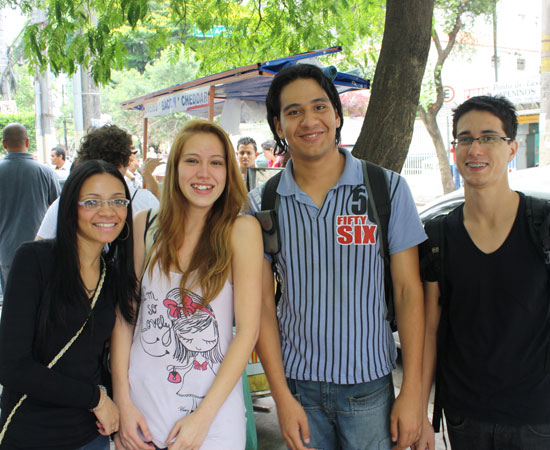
[56, 415]
[493, 367]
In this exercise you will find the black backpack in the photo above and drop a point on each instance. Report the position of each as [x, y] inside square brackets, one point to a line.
[379, 210]
[537, 211]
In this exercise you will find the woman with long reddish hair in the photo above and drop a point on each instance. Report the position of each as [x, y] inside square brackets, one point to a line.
[176, 374]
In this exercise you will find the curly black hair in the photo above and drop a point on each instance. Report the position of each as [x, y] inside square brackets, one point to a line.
[109, 143]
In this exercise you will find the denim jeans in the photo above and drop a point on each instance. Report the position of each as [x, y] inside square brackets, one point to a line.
[99, 443]
[466, 434]
[347, 417]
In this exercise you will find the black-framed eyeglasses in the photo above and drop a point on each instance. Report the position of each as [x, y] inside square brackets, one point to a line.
[115, 203]
[489, 139]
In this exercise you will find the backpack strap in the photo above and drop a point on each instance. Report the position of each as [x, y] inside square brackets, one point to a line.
[433, 258]
[538, 218]
[267, 217]
[379, 211]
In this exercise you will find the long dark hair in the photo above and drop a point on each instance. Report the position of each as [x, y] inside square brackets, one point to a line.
[66, 287]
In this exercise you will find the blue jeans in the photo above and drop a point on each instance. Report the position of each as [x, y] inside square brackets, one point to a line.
[99, 443]
[347, 416]
[466, 434]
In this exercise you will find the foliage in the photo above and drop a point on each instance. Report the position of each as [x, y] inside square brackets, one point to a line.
[452, 17]
[130, 84]
[107, 35]
[24, 91]
[26, 119]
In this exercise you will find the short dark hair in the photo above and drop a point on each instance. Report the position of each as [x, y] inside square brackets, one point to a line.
[59, 152]
[108, 143]
[288, 75]
[14, 135]
[270, 143]
[498, 105]
[247, 141]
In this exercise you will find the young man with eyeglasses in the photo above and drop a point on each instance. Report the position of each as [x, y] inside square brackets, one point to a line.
[328, 349]
[492, 321]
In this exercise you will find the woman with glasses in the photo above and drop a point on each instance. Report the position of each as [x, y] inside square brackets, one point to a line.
[176, 374]
[58, 313]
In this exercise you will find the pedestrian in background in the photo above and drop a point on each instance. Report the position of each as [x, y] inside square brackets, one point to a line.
[27, 189]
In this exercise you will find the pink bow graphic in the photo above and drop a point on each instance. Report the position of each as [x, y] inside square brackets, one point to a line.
[198, 366]
[188, 308]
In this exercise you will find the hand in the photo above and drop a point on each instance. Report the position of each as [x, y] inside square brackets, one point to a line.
[107, 415]
[131, 420]
[406, 419]
[188, 433]
[293, 423]
[149, 166]
[427, 437]
[118, 442]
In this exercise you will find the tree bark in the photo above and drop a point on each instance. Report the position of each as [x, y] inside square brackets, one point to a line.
[388, 126]
[440, 149]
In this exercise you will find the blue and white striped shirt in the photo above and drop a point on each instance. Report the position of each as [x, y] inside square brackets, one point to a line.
[332, 310]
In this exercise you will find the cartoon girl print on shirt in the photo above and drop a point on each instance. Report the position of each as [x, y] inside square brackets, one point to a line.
[197, 346]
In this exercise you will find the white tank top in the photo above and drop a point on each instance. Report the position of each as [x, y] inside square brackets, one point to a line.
[177, 350]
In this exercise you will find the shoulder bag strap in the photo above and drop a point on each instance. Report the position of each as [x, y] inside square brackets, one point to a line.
[63, 350]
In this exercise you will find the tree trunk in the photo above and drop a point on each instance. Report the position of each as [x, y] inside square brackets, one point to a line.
[544, 122]
[91, 106]
[442, 158]
[387, 130]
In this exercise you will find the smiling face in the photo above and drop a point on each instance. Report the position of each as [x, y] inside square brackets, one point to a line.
[202, 170]
[484, 165]
[307, 120]
[103, 225]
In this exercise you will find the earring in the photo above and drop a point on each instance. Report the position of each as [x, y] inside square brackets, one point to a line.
[127, 232]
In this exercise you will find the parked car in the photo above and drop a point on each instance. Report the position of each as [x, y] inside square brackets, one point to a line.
[534, 181]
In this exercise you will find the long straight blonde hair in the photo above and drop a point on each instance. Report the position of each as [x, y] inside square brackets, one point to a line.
[211, 258]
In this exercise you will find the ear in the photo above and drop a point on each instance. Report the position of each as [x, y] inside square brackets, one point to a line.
[514, 146]
[278, 128]
[4, 145]
[337, 119]
[27, 143]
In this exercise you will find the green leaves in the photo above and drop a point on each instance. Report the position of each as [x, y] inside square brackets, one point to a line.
[108, 34]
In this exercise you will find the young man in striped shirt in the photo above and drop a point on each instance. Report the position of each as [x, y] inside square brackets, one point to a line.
[327, 349]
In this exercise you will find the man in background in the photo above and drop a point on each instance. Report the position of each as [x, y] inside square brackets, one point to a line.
[27, 188]
[247, 151]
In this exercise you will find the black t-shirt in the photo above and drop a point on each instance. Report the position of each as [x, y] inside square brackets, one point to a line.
[494, 366]
[56, 415]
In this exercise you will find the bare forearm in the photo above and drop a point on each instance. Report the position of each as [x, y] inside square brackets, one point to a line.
[268, 348]
[121, 342]
[231, 369]
[410, 319]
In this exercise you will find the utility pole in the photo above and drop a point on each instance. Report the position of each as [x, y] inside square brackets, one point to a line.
[5, 88]
[45, 131]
